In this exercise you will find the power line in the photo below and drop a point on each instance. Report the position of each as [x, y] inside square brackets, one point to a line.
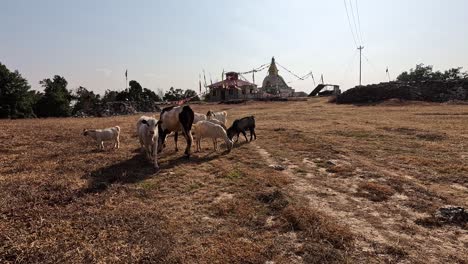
[349, 23]
[349, 65]
[354, 21]
[374, 67]
[295, 75]
[304, 78]
[359, 20]
[259, 68]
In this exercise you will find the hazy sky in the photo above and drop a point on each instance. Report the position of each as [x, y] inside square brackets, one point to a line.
[169, 43]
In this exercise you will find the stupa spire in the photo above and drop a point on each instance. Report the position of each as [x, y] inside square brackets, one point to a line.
[273, 70]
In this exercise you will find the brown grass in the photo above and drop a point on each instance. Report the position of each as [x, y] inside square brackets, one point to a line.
[375, 192]
[63, 201]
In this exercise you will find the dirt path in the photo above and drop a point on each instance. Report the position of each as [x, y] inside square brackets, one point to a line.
[384, 230]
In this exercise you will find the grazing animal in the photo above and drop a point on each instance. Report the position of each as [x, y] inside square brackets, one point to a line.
[175, 119]
[240, 126]
[207, 129]
[140, 120]
[221, 116]
[101, 135]
[217, 122]
[148, 136]
[198, 117]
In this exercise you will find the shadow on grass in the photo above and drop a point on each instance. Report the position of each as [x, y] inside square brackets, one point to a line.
[138, 169]
[240, 143]
[130, 171]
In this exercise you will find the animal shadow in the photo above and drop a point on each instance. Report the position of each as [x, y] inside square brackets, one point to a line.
[129, 171]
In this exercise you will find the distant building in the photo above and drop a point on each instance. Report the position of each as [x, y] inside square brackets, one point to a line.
[274, 84]
[232, 88]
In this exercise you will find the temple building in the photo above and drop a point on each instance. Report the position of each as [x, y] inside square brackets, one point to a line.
[232, 89]
[274, 84]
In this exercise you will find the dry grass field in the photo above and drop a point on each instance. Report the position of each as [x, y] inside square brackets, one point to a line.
[352, 184]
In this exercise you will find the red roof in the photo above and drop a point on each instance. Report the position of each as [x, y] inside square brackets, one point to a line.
[231, 83]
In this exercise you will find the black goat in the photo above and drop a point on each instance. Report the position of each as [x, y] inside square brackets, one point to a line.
[240, 126]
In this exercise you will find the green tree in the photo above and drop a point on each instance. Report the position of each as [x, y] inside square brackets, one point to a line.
[189, 93]
[455, 74]
[86, 100]
[426, 73]
[149, 95]
[56, 99]
[174, 94]
[110, 96]
[420, 73]
[135, 91]
[16, 98]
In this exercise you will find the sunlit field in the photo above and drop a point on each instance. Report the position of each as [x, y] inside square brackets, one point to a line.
[322, 183]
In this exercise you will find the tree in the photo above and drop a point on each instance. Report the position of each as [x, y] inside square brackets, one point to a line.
[174, 94]
[191, 93]
[455, 74]
[135, 91]
[420, 73]
[110, 96]
[149, 95]
[56, 99]
[86, 100]
[16, 99]
[425, 73]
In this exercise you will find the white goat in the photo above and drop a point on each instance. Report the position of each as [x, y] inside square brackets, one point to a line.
[198, 117]
[148, 135]
[206, 129]
[101, 135]
[217, 122]
[140, 120]
[221, 116]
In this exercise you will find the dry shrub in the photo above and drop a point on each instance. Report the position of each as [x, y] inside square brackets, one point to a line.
[341, 170]
[430, 221]
[396, 252]
[325, 240]
[431, 136]
[317, 226]
[238, 208]
[397, 183]
[375, 192]
[275, 199]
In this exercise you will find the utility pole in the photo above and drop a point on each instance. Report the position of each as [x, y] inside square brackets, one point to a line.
[360, 63]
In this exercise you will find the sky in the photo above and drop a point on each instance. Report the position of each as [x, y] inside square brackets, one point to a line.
[169, 43]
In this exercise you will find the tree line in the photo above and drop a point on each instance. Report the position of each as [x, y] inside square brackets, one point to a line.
[18, 100]
[426, 73]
